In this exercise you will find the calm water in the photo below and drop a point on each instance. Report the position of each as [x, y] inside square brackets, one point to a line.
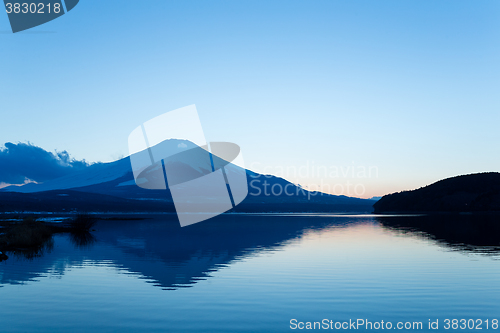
[252, 273]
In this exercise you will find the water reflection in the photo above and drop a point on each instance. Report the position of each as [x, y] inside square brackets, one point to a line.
[30, 253]
[174, 257]
[82, 240]
[478, 233]
[161, 252]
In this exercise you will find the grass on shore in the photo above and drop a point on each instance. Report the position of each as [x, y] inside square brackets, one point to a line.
[30, 237]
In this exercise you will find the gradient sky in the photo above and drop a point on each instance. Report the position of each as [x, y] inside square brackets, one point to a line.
[408, 87]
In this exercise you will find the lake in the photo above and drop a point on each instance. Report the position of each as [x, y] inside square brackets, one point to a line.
[260, 273]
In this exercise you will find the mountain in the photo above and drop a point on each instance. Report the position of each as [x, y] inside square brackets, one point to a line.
[468, 193]
[110, 187]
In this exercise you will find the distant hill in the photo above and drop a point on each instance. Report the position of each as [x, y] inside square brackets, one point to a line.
[469, 193]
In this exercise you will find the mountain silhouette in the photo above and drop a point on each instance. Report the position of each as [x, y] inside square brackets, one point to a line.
[469, 193]
[110, 187]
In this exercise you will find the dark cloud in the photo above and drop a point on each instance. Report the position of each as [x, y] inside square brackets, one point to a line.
[24, 160]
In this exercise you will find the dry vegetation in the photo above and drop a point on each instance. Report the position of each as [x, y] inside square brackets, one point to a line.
[30, 237]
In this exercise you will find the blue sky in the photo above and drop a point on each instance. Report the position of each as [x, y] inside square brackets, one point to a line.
[410, 87]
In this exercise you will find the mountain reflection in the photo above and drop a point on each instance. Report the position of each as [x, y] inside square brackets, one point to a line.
[161, 252]
[158, 250]
[479, 233]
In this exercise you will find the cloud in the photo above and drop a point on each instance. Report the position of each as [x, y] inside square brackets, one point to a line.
[24, 162]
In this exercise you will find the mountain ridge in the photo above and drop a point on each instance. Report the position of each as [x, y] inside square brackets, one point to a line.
[466, 193]
[113, 182]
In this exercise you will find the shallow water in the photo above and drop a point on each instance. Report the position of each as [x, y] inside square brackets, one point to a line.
[249, 273]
